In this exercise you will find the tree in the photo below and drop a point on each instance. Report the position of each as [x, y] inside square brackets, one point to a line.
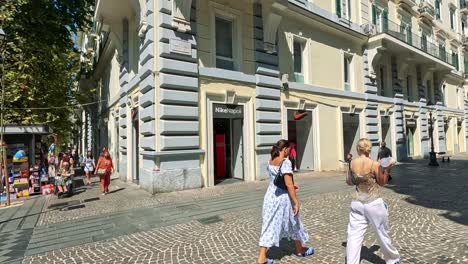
[41, 60]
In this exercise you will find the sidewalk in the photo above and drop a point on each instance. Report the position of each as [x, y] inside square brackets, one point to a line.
[221, 224]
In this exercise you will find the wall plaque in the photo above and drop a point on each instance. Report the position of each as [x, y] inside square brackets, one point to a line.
[180, 47]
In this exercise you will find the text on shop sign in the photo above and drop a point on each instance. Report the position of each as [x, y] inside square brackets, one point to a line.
[227, 111]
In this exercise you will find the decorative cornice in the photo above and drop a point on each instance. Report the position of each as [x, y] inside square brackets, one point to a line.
[271, 13]
[181, 15]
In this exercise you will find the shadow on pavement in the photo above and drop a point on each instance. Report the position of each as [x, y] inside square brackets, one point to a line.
[444, 187]
[368, 254]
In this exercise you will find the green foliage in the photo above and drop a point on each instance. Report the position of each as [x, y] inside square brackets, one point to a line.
[41, 60]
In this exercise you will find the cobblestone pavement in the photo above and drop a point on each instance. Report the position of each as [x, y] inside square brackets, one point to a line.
[428, 219]
[88, 202]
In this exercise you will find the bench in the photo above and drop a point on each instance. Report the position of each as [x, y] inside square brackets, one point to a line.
[444, 156]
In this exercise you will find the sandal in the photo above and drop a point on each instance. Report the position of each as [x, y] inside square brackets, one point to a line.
[269, 261]
[308, 252]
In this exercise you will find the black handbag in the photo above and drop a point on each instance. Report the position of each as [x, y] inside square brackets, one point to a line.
[279, 179]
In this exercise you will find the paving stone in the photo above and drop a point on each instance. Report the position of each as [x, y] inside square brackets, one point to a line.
[428, 216]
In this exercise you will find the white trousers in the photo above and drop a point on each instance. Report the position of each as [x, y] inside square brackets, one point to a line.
[360, 216]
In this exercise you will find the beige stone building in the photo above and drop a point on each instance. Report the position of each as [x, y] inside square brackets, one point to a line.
[196, 92]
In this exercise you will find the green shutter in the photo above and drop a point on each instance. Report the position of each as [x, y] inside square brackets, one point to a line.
[465, 64]
[409, 32]
[402, 32]
[441, 52]
[338, 8]
[374, 15]
[424, 42]
[385, 20]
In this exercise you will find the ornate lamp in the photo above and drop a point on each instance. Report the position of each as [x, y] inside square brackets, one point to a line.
[432, 154]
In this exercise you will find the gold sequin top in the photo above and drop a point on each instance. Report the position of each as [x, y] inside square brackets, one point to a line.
[367, 188]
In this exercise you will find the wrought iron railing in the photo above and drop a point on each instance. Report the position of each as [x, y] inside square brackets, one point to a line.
[420, 42]
[427, 9]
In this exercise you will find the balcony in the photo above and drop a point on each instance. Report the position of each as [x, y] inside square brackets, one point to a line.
[464, 7]
[426, 11]
[391, 38]
[406, 3]
[464, 40]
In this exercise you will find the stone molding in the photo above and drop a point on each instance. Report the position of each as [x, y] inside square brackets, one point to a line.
[181, 15]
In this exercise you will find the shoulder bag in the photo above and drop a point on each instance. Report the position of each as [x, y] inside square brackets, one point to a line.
[351, 178]
[279, 179]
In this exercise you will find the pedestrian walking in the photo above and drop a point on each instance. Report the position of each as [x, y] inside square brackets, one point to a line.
[385, 157]
[104, 169]
[293, 156]
[367, 207]
[281, 207]
[89, 166]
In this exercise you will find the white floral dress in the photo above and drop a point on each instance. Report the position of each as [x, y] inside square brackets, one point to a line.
[278, 216]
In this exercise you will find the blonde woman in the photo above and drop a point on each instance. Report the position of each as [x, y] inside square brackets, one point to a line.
[367, 207]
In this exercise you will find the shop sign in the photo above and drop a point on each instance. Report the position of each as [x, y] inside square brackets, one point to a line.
[411, 123]
[227, 111]
[180, 46]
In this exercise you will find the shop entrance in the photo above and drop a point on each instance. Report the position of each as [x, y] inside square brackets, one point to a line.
[386, 132]
[136, 146]
[300, 133]
[351, 134]
[460, 134]
[228, 130]
[410, 131]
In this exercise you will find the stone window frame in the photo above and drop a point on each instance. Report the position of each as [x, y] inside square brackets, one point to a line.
[352, 65]
[236, 17]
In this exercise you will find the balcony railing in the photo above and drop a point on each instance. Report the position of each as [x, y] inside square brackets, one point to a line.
[422, 43]
[429, 3]
[464, 40]
[426, 9]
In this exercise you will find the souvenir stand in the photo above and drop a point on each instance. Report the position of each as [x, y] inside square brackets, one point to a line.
[26, 160]
[20, 174]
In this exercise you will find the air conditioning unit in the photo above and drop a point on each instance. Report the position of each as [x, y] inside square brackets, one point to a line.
[369, 29]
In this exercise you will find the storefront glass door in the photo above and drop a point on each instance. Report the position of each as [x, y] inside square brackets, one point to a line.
[300, 133]
[228, 142]
[410, 140]
[351, 134]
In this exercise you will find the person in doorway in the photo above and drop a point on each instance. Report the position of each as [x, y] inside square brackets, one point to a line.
[367, 206]
[89, 166]
[104, 169]
[64, 180]
[384, 156]
[281, 208]
[293, 156]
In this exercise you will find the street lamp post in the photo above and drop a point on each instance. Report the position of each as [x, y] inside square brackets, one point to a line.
[432, 154]
[3, 37]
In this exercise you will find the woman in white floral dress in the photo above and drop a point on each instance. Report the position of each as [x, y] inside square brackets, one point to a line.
[281, 208]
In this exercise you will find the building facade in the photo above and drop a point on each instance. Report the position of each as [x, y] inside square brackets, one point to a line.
[192, 92]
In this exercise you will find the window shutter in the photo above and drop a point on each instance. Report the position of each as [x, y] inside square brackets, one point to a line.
[338, 8]
[424, 42]
[465, 64]
[410, 35]
[374, 15]
[385, 20]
